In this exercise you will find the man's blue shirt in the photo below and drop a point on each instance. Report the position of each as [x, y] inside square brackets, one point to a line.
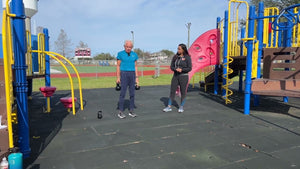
[127, 61]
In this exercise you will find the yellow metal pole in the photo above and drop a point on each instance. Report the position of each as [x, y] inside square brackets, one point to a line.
[48, 105]
[69, 75]
[7, 71]
[28, 54]
[42, 48]
[232, 44]
[41, 55]
[8, 10]
[79, 80]
[266, 27]
[70, 78]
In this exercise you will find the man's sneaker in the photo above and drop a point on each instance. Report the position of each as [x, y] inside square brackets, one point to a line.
[121, 115]
[131, 114]
[167, 109]
[180, 110]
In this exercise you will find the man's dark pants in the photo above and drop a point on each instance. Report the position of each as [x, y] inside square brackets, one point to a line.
[127, 80]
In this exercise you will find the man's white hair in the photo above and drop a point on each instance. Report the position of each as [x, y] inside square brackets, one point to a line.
[128, 41]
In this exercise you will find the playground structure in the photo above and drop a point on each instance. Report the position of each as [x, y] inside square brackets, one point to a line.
[25, 57]
[267, 35]
[276, 38]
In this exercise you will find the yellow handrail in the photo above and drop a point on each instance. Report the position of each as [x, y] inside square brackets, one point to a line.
[77, 74]
[7, 55]
[52, 54]
[233, 25]
[296, 32]
[233, 47]
[8, 10]
[41, 55]
[28, 54]
[70, 78]
[271, 11]
[228, 81]
[254, 56]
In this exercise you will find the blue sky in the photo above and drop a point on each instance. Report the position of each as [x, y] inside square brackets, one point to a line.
[105, 24]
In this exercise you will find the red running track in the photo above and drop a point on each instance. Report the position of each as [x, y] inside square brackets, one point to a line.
[145, 73]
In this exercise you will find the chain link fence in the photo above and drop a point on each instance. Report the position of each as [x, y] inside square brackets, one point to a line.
[102, 68]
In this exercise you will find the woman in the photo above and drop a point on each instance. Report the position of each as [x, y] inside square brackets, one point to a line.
[181, 64]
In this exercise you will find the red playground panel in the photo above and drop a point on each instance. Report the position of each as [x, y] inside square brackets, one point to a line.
[205, 51]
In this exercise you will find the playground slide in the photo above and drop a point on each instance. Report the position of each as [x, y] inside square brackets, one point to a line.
[205, 51]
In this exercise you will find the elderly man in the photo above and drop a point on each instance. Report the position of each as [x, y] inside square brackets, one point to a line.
[127, 75]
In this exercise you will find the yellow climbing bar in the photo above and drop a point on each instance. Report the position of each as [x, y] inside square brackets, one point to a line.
[41, 55]
[7, 58]
[254, 56]
[268, 36]
[28, 54]
[77, 74]
[233, 42]
[69, 75]
[53, 55]
[296, 32]
[71, 81]
[233, 26]
[8, 10]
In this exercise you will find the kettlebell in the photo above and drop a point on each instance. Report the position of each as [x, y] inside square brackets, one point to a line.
[99, 114]
[137, 87]
[118, 87]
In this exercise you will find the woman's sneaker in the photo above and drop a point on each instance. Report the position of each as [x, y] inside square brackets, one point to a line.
[180, 110]
[121, 115]
[131, 114]
[167, 109]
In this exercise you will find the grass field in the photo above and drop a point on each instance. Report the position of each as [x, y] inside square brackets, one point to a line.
[96, 69]
[103, 82]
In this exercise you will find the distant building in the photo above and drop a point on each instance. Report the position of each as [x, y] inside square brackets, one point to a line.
[82, 54]
[161, 56]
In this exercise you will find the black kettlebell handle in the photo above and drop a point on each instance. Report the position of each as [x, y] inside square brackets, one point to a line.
[118, 87]
[137, 87]
[99, 115]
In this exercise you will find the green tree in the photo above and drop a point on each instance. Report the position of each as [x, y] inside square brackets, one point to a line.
[141, 53]
[281, 4]
[138, 51]
[63, 44]
[168, 52]
[104, 56]
[82, 45]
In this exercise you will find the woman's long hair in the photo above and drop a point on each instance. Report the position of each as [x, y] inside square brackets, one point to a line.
[184, 48]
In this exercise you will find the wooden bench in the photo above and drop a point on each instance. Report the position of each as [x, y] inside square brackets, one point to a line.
[281, 73]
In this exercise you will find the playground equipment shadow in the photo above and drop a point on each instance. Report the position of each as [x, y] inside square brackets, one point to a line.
[209, 134]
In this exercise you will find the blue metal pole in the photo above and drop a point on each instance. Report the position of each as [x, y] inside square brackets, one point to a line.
[225, 49]
[217, 66]
[19, 46]
[47, 64]
[284, 34]
[47, 59]
[260, 28]
[279, 38]
[259, 35]
[288, 44]
[243, 30]
[289, 35]
[249, 60]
